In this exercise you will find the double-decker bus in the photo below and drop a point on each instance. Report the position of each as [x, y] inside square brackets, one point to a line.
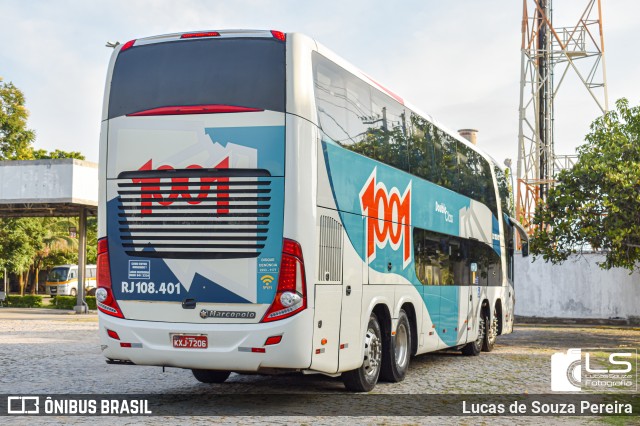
[267, 207]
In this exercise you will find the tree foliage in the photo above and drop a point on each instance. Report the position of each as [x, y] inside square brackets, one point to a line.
[596, 204]
[42, 154]
[15, 137]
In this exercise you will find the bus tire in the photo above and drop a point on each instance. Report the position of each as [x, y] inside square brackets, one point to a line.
[364, 379]
[397, 351]
[474, 348]
[73, 292]
[491, 333]
[211, 376]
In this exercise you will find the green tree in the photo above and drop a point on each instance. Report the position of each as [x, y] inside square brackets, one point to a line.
[15, 138]
[42, 154]
[21, 239]
[596, 204]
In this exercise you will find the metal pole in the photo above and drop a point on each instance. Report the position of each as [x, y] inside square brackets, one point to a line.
[82, 262]
[604, 68]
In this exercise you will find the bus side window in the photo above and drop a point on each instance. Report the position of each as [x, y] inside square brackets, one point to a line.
[458, 257]
[440, 259]
[479, 261]
[509, 243]
[72, 275]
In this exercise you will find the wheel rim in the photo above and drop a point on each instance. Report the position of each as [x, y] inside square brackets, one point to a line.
[401, 346]
[493, 329]
[372, 354]
[480, 332]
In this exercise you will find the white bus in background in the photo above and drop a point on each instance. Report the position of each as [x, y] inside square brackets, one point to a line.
[265, 206]
[62, 280]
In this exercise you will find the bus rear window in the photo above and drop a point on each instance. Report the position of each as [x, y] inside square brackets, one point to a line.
[248, 72]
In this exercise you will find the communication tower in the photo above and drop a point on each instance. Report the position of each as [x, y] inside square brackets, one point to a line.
[547, 52]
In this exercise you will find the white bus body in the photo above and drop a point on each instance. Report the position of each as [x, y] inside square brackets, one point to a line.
[238, 231]
[62, 280]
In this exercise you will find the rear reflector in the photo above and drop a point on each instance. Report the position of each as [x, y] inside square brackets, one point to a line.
[258, 350]
[279, 35]
[205, 34]
[273, 340]
[193, 109]
[113, 334]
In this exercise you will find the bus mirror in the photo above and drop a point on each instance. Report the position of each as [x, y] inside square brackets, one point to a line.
[525, 248]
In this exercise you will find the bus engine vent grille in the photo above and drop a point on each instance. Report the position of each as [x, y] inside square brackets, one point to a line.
[194, 213]
[330, 267]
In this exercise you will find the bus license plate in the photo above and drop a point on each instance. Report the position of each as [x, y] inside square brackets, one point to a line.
[183, 341]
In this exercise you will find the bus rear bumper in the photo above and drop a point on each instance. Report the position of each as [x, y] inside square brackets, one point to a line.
[233, 347]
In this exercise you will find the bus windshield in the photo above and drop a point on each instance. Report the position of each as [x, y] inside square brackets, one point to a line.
[58, 275]
[247, 72]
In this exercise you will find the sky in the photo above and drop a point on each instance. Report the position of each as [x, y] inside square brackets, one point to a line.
[457, 60]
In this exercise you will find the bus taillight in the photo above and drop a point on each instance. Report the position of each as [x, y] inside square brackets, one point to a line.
[105, 300]
[193, 109]
[278, 35]
[127, 45]
[198, 35]
[291, 295]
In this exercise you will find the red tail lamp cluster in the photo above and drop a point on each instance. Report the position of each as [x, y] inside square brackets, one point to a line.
[105, 299]
[291, 294]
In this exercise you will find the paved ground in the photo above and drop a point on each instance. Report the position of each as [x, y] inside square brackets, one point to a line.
[61, 354]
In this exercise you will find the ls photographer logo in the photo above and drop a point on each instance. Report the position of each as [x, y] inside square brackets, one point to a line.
[596, 370]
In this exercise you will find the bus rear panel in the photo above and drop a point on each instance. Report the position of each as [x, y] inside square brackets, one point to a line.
[193, 264]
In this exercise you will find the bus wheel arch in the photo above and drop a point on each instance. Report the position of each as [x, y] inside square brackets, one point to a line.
[491, 326]
[410, 310]
[498, 313]
[365, 377]
[397, 349]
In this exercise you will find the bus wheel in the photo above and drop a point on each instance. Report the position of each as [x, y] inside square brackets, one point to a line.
[474, 348]
[73, 292]
[211, 376]
[492, 333]
[364, 379]
[397, 352]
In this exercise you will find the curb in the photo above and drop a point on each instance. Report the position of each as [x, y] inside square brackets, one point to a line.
[633, 321]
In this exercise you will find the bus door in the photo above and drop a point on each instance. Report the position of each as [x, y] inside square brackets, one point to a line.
[351, 329]
[338, 295]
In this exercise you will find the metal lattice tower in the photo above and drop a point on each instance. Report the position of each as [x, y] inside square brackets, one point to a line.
[578, 49]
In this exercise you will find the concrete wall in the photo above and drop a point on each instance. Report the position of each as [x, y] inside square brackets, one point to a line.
[576, 289]
[43, 181]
